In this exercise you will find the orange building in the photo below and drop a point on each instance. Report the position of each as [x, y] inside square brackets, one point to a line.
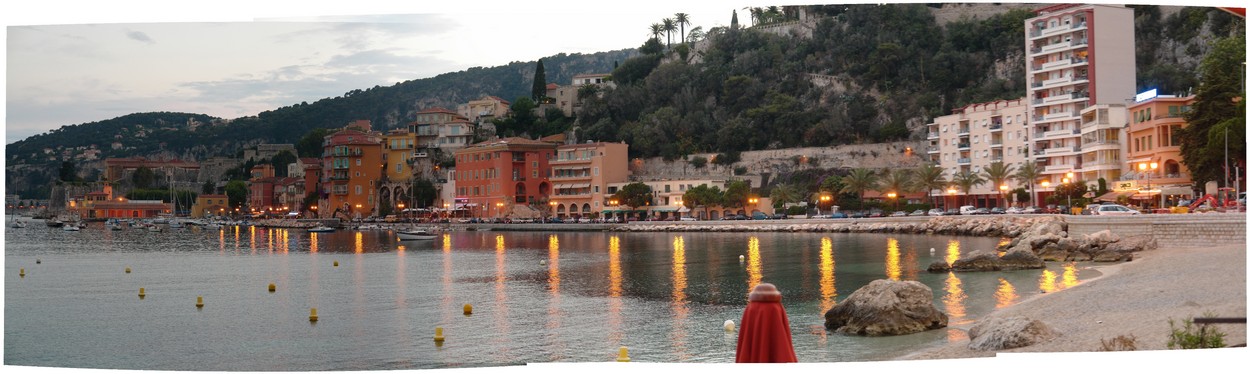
[501, 174]
[211, 205]
[1154, 148]
[353, 165]
[580, 174]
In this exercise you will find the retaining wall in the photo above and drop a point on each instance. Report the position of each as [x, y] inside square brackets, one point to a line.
[1169, 230]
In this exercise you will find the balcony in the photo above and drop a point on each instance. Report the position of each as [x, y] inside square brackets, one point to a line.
[964, 161]
[518, 178]
[1057, 169]
[996, 143]
[420, 154]
[933, 149]
[964, 130]
[996, 127]
[933, 135]
[339, 177]
[964, 145]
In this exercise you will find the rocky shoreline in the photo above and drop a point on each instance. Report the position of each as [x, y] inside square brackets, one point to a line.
[993, 226]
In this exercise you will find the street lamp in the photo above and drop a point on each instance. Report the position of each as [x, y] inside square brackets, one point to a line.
[1002, 190]
[499, 209]
[1067, 191]
[1149, 169]
[951, 191]
[893, 199]
[553, 207]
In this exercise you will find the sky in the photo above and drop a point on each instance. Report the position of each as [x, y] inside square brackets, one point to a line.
[71, 62]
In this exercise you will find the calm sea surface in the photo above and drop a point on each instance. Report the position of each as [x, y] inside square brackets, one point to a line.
[536, 297]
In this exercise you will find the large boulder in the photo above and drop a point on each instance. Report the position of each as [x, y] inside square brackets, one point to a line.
[939, 266]
[886, 307]
[1016, 259]
[978, 261]
[997, 333]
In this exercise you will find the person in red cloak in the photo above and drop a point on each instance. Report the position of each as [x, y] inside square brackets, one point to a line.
[765, 332]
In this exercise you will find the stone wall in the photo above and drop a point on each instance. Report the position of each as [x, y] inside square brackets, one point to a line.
[1169, 230]
[778, 161]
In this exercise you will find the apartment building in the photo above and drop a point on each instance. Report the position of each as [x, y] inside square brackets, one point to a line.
[565, 97]
[399, 149]
[1154, 150]
[580, 174]
[352, 165]
[976, 135]
[484, 109]
[666, 200]
[440, 128]
[1077, 56]
[1102, 148]
[500, 175]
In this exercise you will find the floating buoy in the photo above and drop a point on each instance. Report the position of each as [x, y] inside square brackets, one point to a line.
[931, 250]
[21, 272]
[312, 315]
[38, 261]
[742, 258]
[729, 325]
[623, 356]
[272, 288]
[127, 270]
[199, 301]
[468, 309]
[542, 262]
[438, 335]
[336, 263]
[141, 294]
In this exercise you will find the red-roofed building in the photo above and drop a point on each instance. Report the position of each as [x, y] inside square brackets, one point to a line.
[352, 166]
[116, 169]
[440, 128]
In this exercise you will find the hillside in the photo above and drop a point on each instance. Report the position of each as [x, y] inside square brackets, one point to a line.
[856, 74]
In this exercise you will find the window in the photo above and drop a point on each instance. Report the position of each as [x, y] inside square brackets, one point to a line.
[596, 171]
[357, 162]
[359, 190]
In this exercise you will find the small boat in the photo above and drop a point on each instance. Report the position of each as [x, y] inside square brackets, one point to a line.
[416, 234]
[71, 228]
[321, 228]
[18, 224]
[115, 226]
[154, 228]
[175, 224]
[55, 223]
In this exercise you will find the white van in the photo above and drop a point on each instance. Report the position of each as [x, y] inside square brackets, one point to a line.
[967, 210]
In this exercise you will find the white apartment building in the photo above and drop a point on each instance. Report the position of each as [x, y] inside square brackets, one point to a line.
[1102, 150]
[1078, 56]
[977, 135]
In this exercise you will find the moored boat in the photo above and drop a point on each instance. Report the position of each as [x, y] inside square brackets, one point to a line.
[416, 234]
[321, 228]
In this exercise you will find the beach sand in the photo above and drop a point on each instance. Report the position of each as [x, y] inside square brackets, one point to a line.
[1134, 298]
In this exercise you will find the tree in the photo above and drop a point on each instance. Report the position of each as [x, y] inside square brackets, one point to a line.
[669, 26]
[698, 162]
[898, 181]
[682, 20]
[208, 188]
[702, 196]
[928, 177]
[280, 162]
[634, 195]
[997, 174]
[423, 193]
[143, 178]
[656, 30]
[736, 193]
[1216, 119]
[966, 180]
[236, 193]
[783, 194]
[311, 145]
[68, 172]
[539, 90]
[1027, 175]
[858, 181]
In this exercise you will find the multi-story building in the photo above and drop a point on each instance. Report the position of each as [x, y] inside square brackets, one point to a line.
[504, 176]
[580, 175]
[211, 205]
[1102, 148]
[1076, 56]
[311, 175]
[398, 147]
[260, 188]
[484, 109]
[116, 169]
[351, 166]
[1154, 150]
[565, 97]
[666, 201]
[440, 128]
[977, 135]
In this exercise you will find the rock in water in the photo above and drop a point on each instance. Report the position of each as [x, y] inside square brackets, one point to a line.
[939, 266]
[886, 307]
[998, 333]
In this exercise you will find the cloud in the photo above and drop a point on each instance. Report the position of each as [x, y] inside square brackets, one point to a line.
[140, 36]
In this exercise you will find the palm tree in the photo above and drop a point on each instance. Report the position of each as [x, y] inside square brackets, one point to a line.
[1027, 174]
[669, 27]
[858, 181]
[966, 180]
[928, 178]
[656, 30]
[682, 19]
[997, 173]
[783, 194]
[897, 181]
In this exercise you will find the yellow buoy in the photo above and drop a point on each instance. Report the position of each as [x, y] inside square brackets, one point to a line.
[623, 356]
[438, 335]
[468, 309]
[312, 315]
[127, 270]
[272, 288]
[742, 258]
[336, 263]
[22, 272]
[729, 325]
[141, 294]
[199, 301]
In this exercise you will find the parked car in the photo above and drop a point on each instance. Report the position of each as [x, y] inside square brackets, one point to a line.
[759, 216]
[689, 219]
[1090, 210]
[967, 209]
[1115, 210]
[1014, 210]
[837, 215]
[1031, 210]
[876, 213]
[779, 216]
[997, 210]
[899, 213]
[952, 212]
[980, 211]
[859, 215]
[918, 212]
[937, 212]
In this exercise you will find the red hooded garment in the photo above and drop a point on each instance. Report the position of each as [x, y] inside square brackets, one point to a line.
[765, 332]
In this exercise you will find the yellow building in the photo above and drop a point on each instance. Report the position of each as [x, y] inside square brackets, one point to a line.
[398, 151]
[210, 205]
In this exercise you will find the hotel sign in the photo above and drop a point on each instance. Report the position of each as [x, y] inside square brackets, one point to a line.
[1147, 95]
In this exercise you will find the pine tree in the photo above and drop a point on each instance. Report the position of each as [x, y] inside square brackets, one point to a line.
[539, 91]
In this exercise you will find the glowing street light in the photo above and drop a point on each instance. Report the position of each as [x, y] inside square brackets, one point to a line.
[1003, 191]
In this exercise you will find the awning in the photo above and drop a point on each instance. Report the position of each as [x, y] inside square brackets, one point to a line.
[1133, 161]
[1178, 190]
[580, 185]
[1145, 195]
[1114, 195]
[683, 209]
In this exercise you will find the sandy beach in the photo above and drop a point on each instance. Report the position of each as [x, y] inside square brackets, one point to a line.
[1133, 298]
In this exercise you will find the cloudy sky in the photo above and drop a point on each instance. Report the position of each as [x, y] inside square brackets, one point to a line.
[71, 62]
